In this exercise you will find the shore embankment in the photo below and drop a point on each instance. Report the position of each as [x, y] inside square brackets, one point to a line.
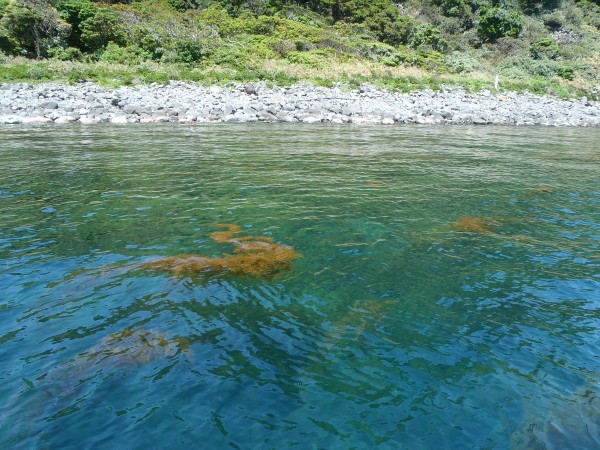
[187, 103]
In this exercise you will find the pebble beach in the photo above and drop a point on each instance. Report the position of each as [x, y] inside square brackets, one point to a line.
[188, 103]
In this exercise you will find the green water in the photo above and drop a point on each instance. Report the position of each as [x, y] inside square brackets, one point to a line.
[396, 329]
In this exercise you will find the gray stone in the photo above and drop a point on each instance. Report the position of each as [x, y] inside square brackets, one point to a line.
[118, 120]
[388, 120]
[49, 105]
[265, 116]
[184, 101]
[66, 119]
[130, 109]
[233, 118]
[282, 115]
[11, 120]
[311, 119]
[36, 119]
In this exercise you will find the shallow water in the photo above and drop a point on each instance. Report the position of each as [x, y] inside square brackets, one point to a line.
[399, 327]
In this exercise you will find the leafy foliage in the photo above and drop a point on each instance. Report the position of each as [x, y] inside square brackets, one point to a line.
[496, 22]
[523, 40]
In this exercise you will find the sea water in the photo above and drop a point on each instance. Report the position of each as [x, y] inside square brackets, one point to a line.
[447, 294]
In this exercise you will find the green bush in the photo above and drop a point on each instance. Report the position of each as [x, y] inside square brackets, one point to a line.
[8, 43]
[545, 48]
[526, 66]
[131, 54]
[462, 10]
[591, 12]
[3, 6]
[100, 29]
[536, 6]
[379, 16]
[566, 72]
[496, 22]
[428, 37]
[431, 60]
[66, 54]
[183, 5]
[459, 62]
[554, 21]
[310, 59]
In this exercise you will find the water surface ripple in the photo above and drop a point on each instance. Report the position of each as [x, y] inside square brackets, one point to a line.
[448, 294]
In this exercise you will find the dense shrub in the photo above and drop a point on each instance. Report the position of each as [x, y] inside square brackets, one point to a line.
[536, 6]
[66, 54]
[545, 48]
[131, 54]
[458, 62]
[523, 67]
[380, 16]
[462, 10]
[428, 37]
[497, 22]
[591, 12]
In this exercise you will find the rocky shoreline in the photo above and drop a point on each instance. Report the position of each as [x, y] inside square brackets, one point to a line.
[187, 103]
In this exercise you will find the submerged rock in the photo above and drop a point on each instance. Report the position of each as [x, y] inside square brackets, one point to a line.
[133, 348]
[575, 424]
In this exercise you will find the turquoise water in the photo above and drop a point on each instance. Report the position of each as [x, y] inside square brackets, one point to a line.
[398, 327]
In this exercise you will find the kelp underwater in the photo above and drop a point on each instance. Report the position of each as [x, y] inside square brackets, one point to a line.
[256, 256]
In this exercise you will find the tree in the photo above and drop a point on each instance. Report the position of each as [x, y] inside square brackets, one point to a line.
[35, 25]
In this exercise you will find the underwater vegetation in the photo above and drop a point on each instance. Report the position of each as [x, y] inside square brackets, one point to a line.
[474, 225]
[537, 192]
[486, 225]
[256, 256]
[135, 347]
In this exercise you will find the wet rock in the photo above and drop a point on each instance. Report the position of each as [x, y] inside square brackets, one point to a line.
[65, 119]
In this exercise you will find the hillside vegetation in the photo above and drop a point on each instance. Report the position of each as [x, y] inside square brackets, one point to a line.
[546, 46]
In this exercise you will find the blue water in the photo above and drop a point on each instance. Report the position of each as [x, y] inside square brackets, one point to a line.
[400, 326]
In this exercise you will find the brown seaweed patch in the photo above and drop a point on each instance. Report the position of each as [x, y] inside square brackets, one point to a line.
[225, 236]
[537, 191]
[256, 256]
[473, 225]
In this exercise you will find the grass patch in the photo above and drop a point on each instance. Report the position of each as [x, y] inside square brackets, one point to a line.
[281, 72]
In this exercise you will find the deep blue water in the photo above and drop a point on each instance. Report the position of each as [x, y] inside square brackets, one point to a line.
[400, 327]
